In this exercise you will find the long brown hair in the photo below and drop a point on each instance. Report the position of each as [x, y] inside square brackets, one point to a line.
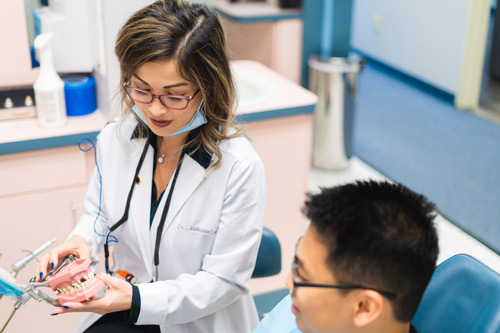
[192, 36]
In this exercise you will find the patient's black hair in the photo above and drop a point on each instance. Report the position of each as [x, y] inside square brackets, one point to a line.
[380, 235]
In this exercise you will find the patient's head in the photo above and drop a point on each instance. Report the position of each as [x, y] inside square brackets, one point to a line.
[378, 240]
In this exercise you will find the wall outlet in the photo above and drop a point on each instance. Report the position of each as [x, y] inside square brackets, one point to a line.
[377, 23]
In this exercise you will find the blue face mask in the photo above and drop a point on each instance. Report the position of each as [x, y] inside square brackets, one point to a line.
[197, 120]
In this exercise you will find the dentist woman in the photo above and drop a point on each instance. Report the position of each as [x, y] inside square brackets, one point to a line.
[179, 193]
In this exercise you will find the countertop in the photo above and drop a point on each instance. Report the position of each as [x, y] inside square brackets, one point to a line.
[251, 12]
[286, 99]
[25, 134]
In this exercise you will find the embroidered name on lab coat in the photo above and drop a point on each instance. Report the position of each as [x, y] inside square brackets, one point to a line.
[195, 229]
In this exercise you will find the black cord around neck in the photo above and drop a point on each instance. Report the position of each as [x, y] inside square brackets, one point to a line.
[159, 231]
[124, 218]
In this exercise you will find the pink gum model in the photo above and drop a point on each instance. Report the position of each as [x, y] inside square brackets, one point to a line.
[75, 282]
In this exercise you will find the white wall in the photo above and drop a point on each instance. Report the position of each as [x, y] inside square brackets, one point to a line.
[423, 38]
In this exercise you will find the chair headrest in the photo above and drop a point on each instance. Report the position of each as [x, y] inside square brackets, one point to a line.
[269, 256]
[462, 296]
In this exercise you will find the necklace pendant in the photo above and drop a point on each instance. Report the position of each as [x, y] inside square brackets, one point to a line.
[161, 159]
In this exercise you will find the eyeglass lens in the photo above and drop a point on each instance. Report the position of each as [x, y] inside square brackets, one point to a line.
[146, 97]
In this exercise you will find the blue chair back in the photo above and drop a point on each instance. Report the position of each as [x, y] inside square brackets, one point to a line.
[269, 255]
[462, 296]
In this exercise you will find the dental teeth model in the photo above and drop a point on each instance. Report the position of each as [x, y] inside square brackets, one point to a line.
[75, 282]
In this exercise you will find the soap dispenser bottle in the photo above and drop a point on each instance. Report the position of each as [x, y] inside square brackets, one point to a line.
[49, 87]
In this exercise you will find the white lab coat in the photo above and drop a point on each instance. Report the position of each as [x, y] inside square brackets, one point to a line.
[210, 238]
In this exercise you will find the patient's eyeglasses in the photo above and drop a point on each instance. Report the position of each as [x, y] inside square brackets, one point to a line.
[298, 283]
[169, 101]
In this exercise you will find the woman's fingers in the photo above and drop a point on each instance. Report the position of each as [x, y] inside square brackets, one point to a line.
[42, 267]
[118, 297]
[111, 281]
[76, 246]
[51, 260]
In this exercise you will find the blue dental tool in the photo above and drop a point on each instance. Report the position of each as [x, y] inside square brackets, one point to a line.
[8, 286]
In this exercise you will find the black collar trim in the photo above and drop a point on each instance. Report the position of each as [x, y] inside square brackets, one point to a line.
[197, 152]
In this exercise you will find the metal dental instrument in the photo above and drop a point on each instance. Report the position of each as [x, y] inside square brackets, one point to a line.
[39, 295]
[20, 264]
[30, 291]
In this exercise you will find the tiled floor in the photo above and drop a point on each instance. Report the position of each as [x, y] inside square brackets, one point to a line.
[452, 240]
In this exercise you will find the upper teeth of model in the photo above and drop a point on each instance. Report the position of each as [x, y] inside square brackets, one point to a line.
[82, 283]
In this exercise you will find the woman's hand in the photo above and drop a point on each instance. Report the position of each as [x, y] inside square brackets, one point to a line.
[75, 245]
[118, 297]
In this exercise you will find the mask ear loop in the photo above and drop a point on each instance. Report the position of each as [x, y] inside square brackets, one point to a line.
[127, 207]
[196, 121]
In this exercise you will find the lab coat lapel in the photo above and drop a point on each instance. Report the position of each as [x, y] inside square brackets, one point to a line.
[140, 205]
[190, 176]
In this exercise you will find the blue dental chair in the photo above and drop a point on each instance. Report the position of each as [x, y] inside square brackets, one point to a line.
[269, 256]
[268, 264]
[463, 296]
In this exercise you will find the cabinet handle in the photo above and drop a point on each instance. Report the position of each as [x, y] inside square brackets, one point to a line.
[73, 211]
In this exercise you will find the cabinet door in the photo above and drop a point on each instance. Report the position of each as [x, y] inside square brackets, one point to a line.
[41, 197]
[42, 170]
[28, 221]
[284, 145]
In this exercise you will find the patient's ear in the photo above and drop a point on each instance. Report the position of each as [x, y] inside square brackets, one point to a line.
[369, 306]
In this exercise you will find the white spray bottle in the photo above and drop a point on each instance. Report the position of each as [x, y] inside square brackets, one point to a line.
[49, 87]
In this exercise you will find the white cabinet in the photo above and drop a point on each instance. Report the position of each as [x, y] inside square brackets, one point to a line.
[40, 198]
[264, 33]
